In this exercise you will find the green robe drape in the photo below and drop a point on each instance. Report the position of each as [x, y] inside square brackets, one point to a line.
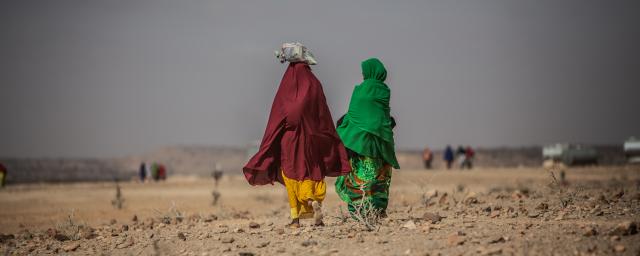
[366, 128]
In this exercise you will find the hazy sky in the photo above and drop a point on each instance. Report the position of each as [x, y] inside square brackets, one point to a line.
[106, 78]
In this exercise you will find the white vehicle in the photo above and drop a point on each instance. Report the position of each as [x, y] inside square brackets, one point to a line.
[570, 154]
[632, 150]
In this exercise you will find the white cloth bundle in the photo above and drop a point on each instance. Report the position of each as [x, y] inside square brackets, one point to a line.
[295, 52]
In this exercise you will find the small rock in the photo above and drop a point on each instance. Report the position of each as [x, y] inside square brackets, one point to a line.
[135, 218]
[494, 214]
[615, 238]
[89, 234]
[70, 247]
[533, 214]
[590, 231]
[496, 240]
[227, 240]
[432, 217]
[517, 195]
[125, 227]
[471, 198]
[409, 225]
[254, 225]
[4, 238]
[494, 251]
[455, 240]
[625, 228]
[51, 232]
[618, 195]
[238, 230]
[542, 206]
[431, 193]
[125, 243]
[619, 248]
[210, 218]
[60, 237]
[443, 199]
[113, 222]
[181, 236]
[263, 244]
[280, 231]
[309, 243]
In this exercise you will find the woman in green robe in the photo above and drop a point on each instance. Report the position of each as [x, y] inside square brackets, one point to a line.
[366, 131]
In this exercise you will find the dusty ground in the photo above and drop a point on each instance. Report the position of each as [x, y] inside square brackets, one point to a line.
[488, 211]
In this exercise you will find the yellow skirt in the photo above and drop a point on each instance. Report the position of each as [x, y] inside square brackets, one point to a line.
[302, 193]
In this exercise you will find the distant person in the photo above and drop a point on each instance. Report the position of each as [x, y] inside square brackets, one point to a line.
[366, 130]
[143, 171]
[147, 171]
[3, 175]
[448, 156]
[162, 172]
[469, 154]
[460, 154]
[427, 157]
[154, 171]
[300, 146]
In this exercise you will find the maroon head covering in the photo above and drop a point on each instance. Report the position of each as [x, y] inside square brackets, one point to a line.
[300, 137]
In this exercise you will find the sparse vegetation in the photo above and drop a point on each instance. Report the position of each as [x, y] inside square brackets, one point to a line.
[118, 201]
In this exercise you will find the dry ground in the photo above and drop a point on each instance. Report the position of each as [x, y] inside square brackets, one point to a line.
[486, 211]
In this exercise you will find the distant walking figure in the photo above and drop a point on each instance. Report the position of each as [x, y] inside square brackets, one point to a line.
[3, 175]
[427, 157]
[142, 173]
[448, 156]
[366, 131]
[300, 145]
[462, 156]
[468, 157]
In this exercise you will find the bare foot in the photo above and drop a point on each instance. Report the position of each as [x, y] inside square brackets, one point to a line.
[317, 213]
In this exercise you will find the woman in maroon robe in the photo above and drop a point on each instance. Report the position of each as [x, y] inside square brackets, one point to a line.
[300, 145]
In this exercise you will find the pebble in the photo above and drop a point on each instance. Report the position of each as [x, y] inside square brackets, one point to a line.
[254, 225]
[309, 243]
[496, 240]
[181, 236]
[432, 217]
[625, 228]
[590, 231]
[619, 248]
[455, 239]
[542, 206]
[409, 225]
[61, 237]
[125, 243]
[227, 240]
[70, 247]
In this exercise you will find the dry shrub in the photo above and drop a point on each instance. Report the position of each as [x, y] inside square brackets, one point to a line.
[172, 213]
[365, 214]
[72, 228]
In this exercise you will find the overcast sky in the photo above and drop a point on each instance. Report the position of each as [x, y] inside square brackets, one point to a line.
[108, 78]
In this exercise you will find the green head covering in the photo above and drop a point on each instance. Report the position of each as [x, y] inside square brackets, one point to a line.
[366, 128]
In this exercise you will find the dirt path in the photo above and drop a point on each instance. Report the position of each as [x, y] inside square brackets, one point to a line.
[488, 211]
